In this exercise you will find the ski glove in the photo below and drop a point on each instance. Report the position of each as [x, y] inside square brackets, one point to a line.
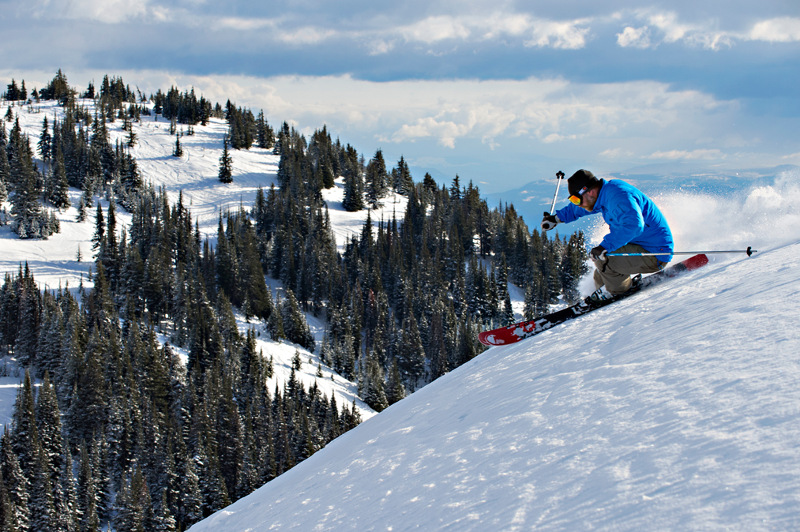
[549, 221]
[598, 253]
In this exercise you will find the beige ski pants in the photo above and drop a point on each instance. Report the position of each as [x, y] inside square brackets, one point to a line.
[615, 273]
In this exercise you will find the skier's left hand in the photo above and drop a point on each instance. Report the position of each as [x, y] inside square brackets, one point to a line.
[598, 253]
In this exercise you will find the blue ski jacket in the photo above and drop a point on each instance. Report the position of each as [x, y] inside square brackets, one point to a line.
[632, 217]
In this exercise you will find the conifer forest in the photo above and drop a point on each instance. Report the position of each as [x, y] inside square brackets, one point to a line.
[111, 428]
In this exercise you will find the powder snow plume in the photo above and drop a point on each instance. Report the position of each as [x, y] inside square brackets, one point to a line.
[764, 216]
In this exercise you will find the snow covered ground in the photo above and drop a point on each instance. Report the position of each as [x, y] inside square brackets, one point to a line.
[676, 409]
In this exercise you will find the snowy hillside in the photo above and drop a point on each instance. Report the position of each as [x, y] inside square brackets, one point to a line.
[54, 262]
[673, 410]
[194, 175]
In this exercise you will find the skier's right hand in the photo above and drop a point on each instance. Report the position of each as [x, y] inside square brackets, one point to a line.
[549, 221]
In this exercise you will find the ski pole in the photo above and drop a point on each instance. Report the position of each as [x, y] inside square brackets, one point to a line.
[560, 176]
[749, 252]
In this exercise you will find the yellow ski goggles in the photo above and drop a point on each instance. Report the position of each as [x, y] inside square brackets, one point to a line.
[576, 199]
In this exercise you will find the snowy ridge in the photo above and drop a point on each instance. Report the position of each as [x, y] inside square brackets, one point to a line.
[671, 410]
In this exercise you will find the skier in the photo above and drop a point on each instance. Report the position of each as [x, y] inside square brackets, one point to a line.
[636, 226]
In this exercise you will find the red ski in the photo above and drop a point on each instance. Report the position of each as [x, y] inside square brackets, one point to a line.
[525, 329]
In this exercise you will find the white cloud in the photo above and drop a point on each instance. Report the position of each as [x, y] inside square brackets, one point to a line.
[704, 35]
[616, 153]
[556, 137]
[379, 46]
[246, 24]
[668, 24]
[305, 35]
[561, 35]
[445, 131]
[707, 154]
[712, 40]
[784, 29]
[570, 34]
[634, 37]
[501, 24]
[448, 112]
[666, 27]
[435, 29]
[106, 11]
[278, 29]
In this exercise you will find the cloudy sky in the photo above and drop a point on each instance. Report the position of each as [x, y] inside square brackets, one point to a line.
[499, 92]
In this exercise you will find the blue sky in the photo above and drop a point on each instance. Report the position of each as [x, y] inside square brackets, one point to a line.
[499, 92]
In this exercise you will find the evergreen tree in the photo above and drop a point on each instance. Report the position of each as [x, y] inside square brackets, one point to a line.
[401, 178]
[573, 267]
[42, 501]
[225, 164]
[372, 386]
[394, 386]
[266, 136]
[88, 492]
[376, 179]
[16, 511]
[7, 517]
[132, 137]
[164, 521]
[190, 499]
[29, 219]
[48, 420]
[45, 142]
[353, 182]
[294, 323]
[411, 353]
[98, 239]
[178, 151]
[66, 502]
[5, 174]
[58, 190]
[134, 506]
[87, 412]
[25, 439]
[28, 319]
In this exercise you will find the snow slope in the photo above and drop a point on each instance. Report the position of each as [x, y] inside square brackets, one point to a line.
[194, 176]
[676, 409]
[54, 262]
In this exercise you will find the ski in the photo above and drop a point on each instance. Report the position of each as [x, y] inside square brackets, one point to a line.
[525, 329]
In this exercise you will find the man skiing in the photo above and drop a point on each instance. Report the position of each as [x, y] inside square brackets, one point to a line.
[636, 226]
